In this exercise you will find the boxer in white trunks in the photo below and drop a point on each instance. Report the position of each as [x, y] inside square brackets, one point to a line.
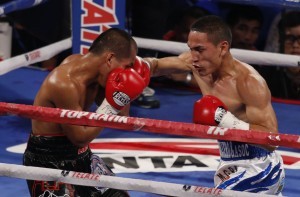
[235, 96]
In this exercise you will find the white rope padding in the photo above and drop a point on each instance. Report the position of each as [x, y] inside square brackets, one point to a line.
[34, 56]
[96, 180]
[248, 56]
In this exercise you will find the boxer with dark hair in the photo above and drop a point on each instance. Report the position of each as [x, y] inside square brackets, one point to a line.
[234, 96]
[107, 69]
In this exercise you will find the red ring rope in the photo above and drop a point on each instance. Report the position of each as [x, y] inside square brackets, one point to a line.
[151, 125]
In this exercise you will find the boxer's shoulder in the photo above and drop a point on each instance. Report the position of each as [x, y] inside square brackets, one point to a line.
[72, 58]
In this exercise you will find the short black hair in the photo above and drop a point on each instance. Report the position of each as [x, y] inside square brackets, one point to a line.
[289, 19]
[215, 28]
[115, 40]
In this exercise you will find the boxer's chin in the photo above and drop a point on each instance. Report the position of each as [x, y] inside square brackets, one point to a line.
[202, 72]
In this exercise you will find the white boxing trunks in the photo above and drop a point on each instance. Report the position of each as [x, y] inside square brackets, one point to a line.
[246, 167]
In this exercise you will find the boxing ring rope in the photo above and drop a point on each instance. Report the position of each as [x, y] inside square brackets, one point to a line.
[248, 56]
[146, 124]
[132, 123]
[251, 57]
[34, 56]
[44, 53]
[96, 180]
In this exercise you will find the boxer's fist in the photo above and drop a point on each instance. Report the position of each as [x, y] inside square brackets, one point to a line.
[212, 111]
[143, 68]
[122, 86]
[209, 111]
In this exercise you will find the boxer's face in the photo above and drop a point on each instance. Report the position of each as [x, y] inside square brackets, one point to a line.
[123, 62]
[205, 55]
[113, 62]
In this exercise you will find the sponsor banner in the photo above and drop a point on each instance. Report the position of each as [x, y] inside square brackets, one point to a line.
[91, 17]
[133, 155]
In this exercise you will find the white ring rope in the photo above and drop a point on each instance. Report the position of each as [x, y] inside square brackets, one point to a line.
[248, 56]
[96, 180]
[34, 56]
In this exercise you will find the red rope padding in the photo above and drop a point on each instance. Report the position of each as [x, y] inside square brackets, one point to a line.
[151, 125]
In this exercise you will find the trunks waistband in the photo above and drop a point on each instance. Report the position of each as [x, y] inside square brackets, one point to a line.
[54, 146]
[232, 151]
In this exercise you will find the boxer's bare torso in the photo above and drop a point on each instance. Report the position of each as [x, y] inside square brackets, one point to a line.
[245, 93]
[69, 81]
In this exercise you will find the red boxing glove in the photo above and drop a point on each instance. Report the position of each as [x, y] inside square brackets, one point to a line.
[212, 111]
[209, 111]
[122, 86]
[143, 68]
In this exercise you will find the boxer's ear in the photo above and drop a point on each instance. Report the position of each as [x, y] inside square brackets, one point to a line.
[224, 48]
[109, 59]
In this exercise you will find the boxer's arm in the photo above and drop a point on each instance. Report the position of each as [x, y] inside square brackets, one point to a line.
[78, 135]
[125, 111]
[257, 98]
[210, 110]
[259, 111]
[168, 65]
